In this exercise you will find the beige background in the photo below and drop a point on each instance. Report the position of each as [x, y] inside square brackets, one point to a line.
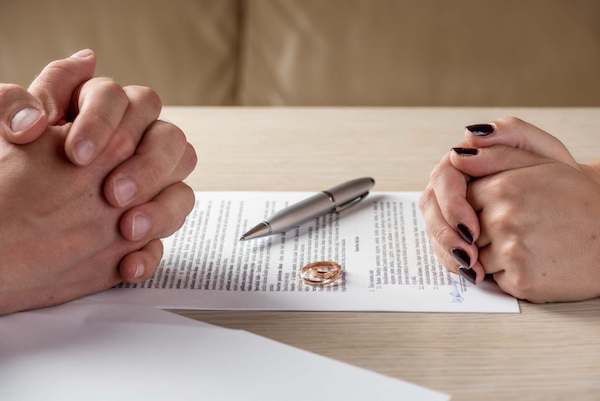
[184, 49]
[314, 52]
[548, 352]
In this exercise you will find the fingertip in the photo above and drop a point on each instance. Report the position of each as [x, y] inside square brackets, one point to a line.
[22, 115]
[81, 152]
[57, 83]
[466, 160]
[140, 266]
[465, 233]
[125, 225]
[84, 54]
[33, 130]
[480, 271]
[109, 191]
[86, 61]
[131, 269]
[135, 225]
[135, 267]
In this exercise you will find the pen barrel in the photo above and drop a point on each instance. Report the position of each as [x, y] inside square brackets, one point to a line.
[301, 212]
[350, 190]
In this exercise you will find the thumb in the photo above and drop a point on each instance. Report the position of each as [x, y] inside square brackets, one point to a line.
[59, 81]
[516, 133]
[22, 116]
[494, 159]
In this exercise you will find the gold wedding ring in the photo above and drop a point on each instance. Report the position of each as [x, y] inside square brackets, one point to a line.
[321, 274]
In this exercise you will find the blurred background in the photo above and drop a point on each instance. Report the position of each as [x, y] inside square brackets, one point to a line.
[321, 52]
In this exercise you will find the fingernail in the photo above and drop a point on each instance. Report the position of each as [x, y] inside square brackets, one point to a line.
[468, 274]
[125, 190]
[84, 151]
[461, 257]
[139, 270]
[24, 119]
[465, 233]
[85, 53]
[140, 226]
[466, 151]
[481, 129]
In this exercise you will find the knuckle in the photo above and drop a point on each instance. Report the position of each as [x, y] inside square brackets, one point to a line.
[101, 122]
[170, 134]
[504, 221]
[56, 68]
[190, 198]
[453, 203]
[515, 254]
[153, 174]
[520, 284]
[176, 135]
[146, 96]
[508, 122]
[193, 156]
[425, 199]
[435, 173]
[441, 233]
[506, 187]
[112, 89]
[123, 145]
[9, 90]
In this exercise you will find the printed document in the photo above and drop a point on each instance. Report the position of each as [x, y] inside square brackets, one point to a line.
[380, 243]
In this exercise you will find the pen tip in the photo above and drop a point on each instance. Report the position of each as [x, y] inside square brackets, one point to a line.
[260, 230]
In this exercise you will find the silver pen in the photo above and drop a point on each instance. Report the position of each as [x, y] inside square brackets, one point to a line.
[335, 199]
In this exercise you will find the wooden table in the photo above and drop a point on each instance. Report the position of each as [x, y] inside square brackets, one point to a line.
[548, 352]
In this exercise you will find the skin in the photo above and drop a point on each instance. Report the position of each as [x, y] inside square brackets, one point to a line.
[65, 230]
[530, 208]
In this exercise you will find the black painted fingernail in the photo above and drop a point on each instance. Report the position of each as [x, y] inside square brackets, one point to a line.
[465, 233]
[461, 257]
[468, 274]
[466, 151]
[480, 129]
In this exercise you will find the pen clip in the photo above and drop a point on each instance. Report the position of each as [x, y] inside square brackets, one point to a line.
[350, 203]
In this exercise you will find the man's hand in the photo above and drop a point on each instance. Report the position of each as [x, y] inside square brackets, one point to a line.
[106, 118]
[60, 239]
[534, 205]
[139, 164]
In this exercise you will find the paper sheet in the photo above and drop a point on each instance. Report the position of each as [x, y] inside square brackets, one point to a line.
[104, 352]
[381, 243]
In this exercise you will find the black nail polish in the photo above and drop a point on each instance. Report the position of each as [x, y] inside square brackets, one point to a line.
[466, 151]
[480, 129]
[465, 233]
[468, 274]
[461, 257]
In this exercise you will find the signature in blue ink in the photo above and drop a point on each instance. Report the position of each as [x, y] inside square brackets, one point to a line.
[456, 295]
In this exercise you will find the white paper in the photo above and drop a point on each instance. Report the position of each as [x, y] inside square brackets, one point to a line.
[110, 352]
[381, 243]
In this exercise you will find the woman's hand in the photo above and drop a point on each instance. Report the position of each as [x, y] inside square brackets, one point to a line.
[540, 235]
[444, 203]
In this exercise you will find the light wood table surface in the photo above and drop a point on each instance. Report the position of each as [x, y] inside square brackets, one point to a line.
[548, 352]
